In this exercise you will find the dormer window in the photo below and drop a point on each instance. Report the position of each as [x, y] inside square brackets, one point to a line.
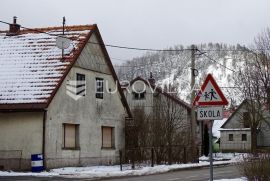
[138, 95]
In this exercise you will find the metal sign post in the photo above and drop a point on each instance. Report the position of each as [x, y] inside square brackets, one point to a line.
[210, 100]
[211, 149]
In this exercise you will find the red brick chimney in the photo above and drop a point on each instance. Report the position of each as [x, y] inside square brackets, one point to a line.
[14, 28]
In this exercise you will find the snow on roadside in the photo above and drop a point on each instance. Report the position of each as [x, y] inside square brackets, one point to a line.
[234, 157]
[236, 179]
[109, 171]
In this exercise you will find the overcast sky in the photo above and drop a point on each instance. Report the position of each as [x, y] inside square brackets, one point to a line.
[148, 23]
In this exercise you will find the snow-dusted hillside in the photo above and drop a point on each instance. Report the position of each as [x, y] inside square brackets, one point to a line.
[175, 67]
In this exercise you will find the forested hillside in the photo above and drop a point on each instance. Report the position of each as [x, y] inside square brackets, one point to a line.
[175, 67]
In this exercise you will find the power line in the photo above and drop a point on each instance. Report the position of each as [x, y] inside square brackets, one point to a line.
[107, 45]
[136, 48]
[210, 58]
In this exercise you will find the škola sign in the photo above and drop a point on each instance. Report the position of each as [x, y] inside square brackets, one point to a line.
[210, 100]
[210, 113]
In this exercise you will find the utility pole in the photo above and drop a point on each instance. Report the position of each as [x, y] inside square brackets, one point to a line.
[193, 119]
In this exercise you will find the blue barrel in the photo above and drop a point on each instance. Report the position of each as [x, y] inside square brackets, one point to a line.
[37, 162]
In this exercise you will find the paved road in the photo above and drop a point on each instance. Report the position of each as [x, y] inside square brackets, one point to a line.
[184, 175]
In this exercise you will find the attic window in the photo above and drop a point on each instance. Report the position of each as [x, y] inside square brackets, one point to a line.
[99, 88]
[80, 84]
[138, 96]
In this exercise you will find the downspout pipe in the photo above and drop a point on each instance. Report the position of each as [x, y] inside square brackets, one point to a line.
[43, 138]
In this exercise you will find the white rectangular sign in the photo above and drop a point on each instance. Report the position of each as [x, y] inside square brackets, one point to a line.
[210, 113]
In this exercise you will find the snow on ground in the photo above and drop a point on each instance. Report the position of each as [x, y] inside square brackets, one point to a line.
[233, 157]
[110, 171]
[235, 179]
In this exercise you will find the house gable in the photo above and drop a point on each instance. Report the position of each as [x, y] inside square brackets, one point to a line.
[235, 121]
[92, 57]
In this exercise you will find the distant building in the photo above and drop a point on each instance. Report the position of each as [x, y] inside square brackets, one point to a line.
[145, 94]
[235, 133]
[66, 107]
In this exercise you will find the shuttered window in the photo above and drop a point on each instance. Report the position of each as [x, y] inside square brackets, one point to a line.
[70, 135]
[107, 137]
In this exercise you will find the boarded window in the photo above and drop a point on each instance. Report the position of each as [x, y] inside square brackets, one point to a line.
[99, 88]
[230, 137]
[80, 84]
[70, 135]
[244, 137]
[246, 119]
[107, 137]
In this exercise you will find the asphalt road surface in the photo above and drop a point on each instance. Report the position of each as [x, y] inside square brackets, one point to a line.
[183, 175]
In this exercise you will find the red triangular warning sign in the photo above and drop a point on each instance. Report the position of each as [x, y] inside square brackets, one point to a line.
[210, 94]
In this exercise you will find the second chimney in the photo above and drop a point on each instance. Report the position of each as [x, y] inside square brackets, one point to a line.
[14, 28]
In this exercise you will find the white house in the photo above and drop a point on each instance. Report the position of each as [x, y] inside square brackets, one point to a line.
[68, 107]
[236, 133]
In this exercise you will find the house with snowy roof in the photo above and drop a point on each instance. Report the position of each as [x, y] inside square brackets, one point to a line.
[64, 104]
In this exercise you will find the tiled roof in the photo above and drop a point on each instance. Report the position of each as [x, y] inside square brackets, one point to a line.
[31, 66]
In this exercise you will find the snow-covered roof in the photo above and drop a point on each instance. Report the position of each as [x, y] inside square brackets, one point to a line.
[234, 129]
[31, 65]
[216, 127]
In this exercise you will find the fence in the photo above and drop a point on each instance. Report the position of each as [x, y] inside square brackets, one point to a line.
[10, 159]
[143, 156]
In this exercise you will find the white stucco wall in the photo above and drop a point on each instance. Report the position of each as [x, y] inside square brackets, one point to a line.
[89, 112]
[20, 136]
[237, 144]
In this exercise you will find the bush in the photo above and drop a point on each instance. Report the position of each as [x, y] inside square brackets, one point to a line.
[255, 167]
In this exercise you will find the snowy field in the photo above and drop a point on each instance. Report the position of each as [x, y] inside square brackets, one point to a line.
[114, 171]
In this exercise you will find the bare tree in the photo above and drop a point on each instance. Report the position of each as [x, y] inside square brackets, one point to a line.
[170, 123]
[254, 82]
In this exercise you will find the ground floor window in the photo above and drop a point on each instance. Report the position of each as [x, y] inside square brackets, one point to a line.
[70, 136]
[107, 137]
[230, 137]
[244, 137]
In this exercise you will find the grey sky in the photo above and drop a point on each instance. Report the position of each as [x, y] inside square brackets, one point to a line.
[148, 23]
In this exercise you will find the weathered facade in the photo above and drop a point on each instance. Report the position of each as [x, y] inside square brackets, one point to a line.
[71, 124]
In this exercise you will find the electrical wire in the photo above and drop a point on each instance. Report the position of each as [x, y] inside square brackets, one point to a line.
[134, 48]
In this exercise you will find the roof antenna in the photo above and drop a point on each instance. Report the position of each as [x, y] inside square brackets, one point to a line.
[61, 41]
[63, 33]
